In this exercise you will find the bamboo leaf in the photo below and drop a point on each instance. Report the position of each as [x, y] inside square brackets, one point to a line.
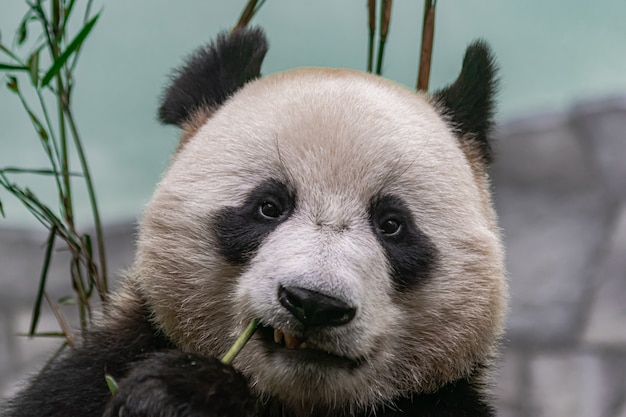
[68, 11]
[43, 334]
[72, 47]
[9, 67]
[12, 84]
[111, 383]
[8, 52]
[42, 281]
[33, 68]
[43, 171]
[41, 131]
[68, 300]
[22, 31]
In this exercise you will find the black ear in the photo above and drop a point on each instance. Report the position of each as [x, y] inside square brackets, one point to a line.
[212, 74]
[468, 103]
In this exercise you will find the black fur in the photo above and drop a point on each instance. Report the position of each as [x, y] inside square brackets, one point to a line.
[178, 384]
[411, 254]
[241, 229]
[74, 384]
[212, 74]
[457, 399]
[469, 103]
[154, 379]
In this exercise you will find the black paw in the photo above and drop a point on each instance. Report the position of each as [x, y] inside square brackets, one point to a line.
[177, 384]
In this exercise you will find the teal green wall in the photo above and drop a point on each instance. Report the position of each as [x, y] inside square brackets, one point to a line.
[551, 53]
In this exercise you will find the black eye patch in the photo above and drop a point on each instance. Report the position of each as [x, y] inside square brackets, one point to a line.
[411, 254]
[240, 230]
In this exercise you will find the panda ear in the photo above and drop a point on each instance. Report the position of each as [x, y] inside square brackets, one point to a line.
[468, 103]
[212, 74]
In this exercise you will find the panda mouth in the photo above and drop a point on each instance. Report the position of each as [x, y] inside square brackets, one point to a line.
[302, 347]
[280, 339]
[290, 340]
[284, 339]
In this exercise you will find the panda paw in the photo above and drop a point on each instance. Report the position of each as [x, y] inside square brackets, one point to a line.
[177, 384]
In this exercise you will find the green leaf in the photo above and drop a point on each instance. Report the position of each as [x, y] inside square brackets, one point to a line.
[44, 334]
[42, 171]
[72, 47]
[22, 32]
[12, 84]
[111, 383]
[42, 281]
[33, 68]
[2, 210]
[68, 300]
[41, 131]
[9, 67]
[68, 11]
[8, 52]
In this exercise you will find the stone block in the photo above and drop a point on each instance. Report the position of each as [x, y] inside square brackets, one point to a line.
[607, 317]
[511, 387]
[551, 240]
[569, 385]
[5, 345]
[27, 355]
[542, 153]
[602, 128]
[553, 211]
[509, 411]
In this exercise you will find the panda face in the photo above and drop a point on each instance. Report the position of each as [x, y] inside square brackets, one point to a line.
[341, 211]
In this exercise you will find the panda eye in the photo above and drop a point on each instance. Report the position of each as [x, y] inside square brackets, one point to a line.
[390, 227]
[270, 210]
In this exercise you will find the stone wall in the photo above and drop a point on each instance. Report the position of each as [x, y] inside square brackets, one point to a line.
[560, 186]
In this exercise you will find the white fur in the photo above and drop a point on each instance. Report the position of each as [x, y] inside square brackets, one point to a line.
[338, 137]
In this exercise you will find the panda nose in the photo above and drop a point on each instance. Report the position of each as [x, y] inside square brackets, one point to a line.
[313, 308]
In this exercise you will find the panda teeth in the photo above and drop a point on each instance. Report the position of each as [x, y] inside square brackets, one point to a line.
[278, 336]
[290, 340]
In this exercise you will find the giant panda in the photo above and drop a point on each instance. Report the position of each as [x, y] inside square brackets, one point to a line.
[351, 216]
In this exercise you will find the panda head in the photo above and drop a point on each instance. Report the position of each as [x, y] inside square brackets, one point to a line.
[350, 215]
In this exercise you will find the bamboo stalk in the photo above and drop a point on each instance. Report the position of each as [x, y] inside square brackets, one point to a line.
[371, 13]
[103, 288]
[240, 342]
[385, 17]
[428, 33]
[65, 328]
[248, 13]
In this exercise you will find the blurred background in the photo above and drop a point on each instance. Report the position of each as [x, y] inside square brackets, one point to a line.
[559, 179]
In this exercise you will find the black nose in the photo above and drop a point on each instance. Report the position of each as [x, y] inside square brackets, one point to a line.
[313, 308]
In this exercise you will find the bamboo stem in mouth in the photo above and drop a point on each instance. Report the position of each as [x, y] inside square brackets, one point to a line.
[240, 342]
